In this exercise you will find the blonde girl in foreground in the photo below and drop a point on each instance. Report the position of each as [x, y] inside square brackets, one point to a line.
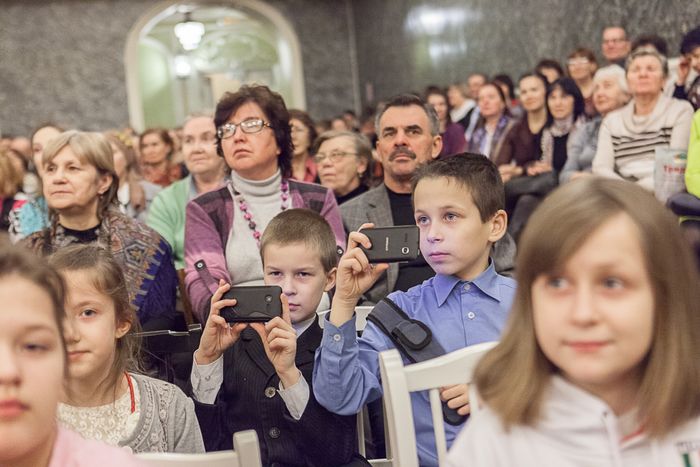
[600, 363]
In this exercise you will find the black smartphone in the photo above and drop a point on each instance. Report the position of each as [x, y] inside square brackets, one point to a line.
[392, 244]
[254, 303]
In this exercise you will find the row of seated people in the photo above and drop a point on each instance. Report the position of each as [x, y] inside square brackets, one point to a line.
[600, 335]
[551, 135]
[232, 212]
[250, 134]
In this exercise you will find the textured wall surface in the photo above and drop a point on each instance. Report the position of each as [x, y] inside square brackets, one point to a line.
[62, 60]
[406, 44]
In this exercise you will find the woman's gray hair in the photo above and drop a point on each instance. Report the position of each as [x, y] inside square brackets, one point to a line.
[91, 148]
[647, 51]
[363, 147]
[615, 72]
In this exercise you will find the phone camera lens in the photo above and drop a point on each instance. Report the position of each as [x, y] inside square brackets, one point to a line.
[405, 250]
[268, 298]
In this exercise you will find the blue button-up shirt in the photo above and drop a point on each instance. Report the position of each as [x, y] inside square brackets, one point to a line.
[459, 313]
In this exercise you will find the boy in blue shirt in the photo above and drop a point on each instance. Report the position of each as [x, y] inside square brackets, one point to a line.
[458, 207]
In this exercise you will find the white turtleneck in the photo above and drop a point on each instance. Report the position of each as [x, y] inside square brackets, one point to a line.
[264, 200]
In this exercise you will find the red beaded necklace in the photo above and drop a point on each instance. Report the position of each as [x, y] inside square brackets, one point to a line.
[248, 216]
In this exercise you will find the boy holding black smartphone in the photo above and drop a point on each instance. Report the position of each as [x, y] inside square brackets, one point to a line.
[458, 207]
[258, 375]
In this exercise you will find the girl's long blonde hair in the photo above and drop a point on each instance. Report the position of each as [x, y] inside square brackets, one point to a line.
[512, 377]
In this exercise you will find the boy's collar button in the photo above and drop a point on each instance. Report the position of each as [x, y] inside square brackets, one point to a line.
[467, 287]
[336, 337]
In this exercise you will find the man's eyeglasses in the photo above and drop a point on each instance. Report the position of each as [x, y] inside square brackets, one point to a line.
[335, 156]
[252, 125]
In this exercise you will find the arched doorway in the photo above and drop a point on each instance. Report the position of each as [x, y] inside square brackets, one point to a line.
[242, 41]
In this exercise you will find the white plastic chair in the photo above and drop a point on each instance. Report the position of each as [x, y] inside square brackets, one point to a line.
[361, 313]
[246, 453]
[398, 381]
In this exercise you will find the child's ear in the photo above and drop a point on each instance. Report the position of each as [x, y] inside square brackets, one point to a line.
[330, 279]
[123, 328]
[499, 224]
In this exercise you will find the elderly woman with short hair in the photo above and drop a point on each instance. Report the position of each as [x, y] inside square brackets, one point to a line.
[343, 159]
[609, 93]
[80, 186]
[629, 136]
[223, 227]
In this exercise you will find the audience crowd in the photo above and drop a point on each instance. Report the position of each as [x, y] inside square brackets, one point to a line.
[113, 238]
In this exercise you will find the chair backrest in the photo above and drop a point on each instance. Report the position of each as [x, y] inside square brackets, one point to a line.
[246, 453]
[399, 381]
[361, 313]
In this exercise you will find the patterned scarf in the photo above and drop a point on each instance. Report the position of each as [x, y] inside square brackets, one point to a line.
[559, 127]
[480, 134]
[137, 248]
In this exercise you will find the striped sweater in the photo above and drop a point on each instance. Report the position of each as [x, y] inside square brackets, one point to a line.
[626, 142]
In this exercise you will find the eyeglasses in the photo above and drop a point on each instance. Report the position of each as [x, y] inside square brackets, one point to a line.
[617, 40]
[298, 129]
[578, 61]
[335, 156]
[206, 138]
[252, 125]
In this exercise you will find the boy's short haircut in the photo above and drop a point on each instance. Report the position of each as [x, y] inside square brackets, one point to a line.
[302, 226]
[476, 173]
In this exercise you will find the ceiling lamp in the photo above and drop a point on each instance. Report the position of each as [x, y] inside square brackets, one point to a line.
[189, 32]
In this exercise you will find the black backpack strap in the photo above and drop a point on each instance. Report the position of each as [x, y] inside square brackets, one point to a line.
[413, 339]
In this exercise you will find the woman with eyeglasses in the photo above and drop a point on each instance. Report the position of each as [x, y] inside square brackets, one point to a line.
[303, 136]
[343, 159]
[223, 227]
[207, 172]
[581, 65]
